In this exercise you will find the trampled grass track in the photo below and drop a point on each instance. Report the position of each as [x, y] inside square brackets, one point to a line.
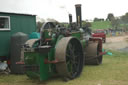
[113, 71]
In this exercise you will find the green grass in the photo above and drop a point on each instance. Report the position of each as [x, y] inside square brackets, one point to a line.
[113, 71]
[101, 25]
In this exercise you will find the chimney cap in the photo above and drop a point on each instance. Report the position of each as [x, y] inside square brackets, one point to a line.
[78, 5]
[70, 14]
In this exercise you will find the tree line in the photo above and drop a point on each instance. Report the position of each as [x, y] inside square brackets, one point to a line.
[116, 22]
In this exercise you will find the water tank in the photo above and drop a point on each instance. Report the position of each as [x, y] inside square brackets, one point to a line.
[17, 41]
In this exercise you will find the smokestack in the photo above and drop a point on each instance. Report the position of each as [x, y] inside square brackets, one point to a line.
[78, 15]
[70, 19]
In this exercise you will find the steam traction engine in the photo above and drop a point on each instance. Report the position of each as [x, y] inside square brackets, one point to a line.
[62, 51]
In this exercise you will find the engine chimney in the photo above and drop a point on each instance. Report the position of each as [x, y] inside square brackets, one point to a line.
[78, 15]
[70, 19]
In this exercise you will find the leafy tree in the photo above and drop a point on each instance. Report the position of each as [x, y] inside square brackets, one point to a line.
[110, 17]
[115, 23]
[124, 18]
[98, 19]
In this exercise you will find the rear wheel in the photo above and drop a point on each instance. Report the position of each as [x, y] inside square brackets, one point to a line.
[70, 54]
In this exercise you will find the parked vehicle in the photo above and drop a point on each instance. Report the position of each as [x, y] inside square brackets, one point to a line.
[100, 33]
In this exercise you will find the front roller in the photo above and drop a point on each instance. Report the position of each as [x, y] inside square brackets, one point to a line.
[71, 59]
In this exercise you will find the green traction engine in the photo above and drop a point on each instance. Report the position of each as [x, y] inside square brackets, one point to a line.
[61, 51]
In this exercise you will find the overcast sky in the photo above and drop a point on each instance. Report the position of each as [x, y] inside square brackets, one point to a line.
[59, 9]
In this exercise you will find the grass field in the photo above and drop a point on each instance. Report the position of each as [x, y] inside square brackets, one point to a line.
[113, 71]
[101, 25]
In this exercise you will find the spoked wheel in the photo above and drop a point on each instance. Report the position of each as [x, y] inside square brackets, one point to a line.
[70, 55]
[92, 54]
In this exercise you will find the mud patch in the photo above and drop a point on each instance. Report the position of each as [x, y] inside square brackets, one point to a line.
[117, 43]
